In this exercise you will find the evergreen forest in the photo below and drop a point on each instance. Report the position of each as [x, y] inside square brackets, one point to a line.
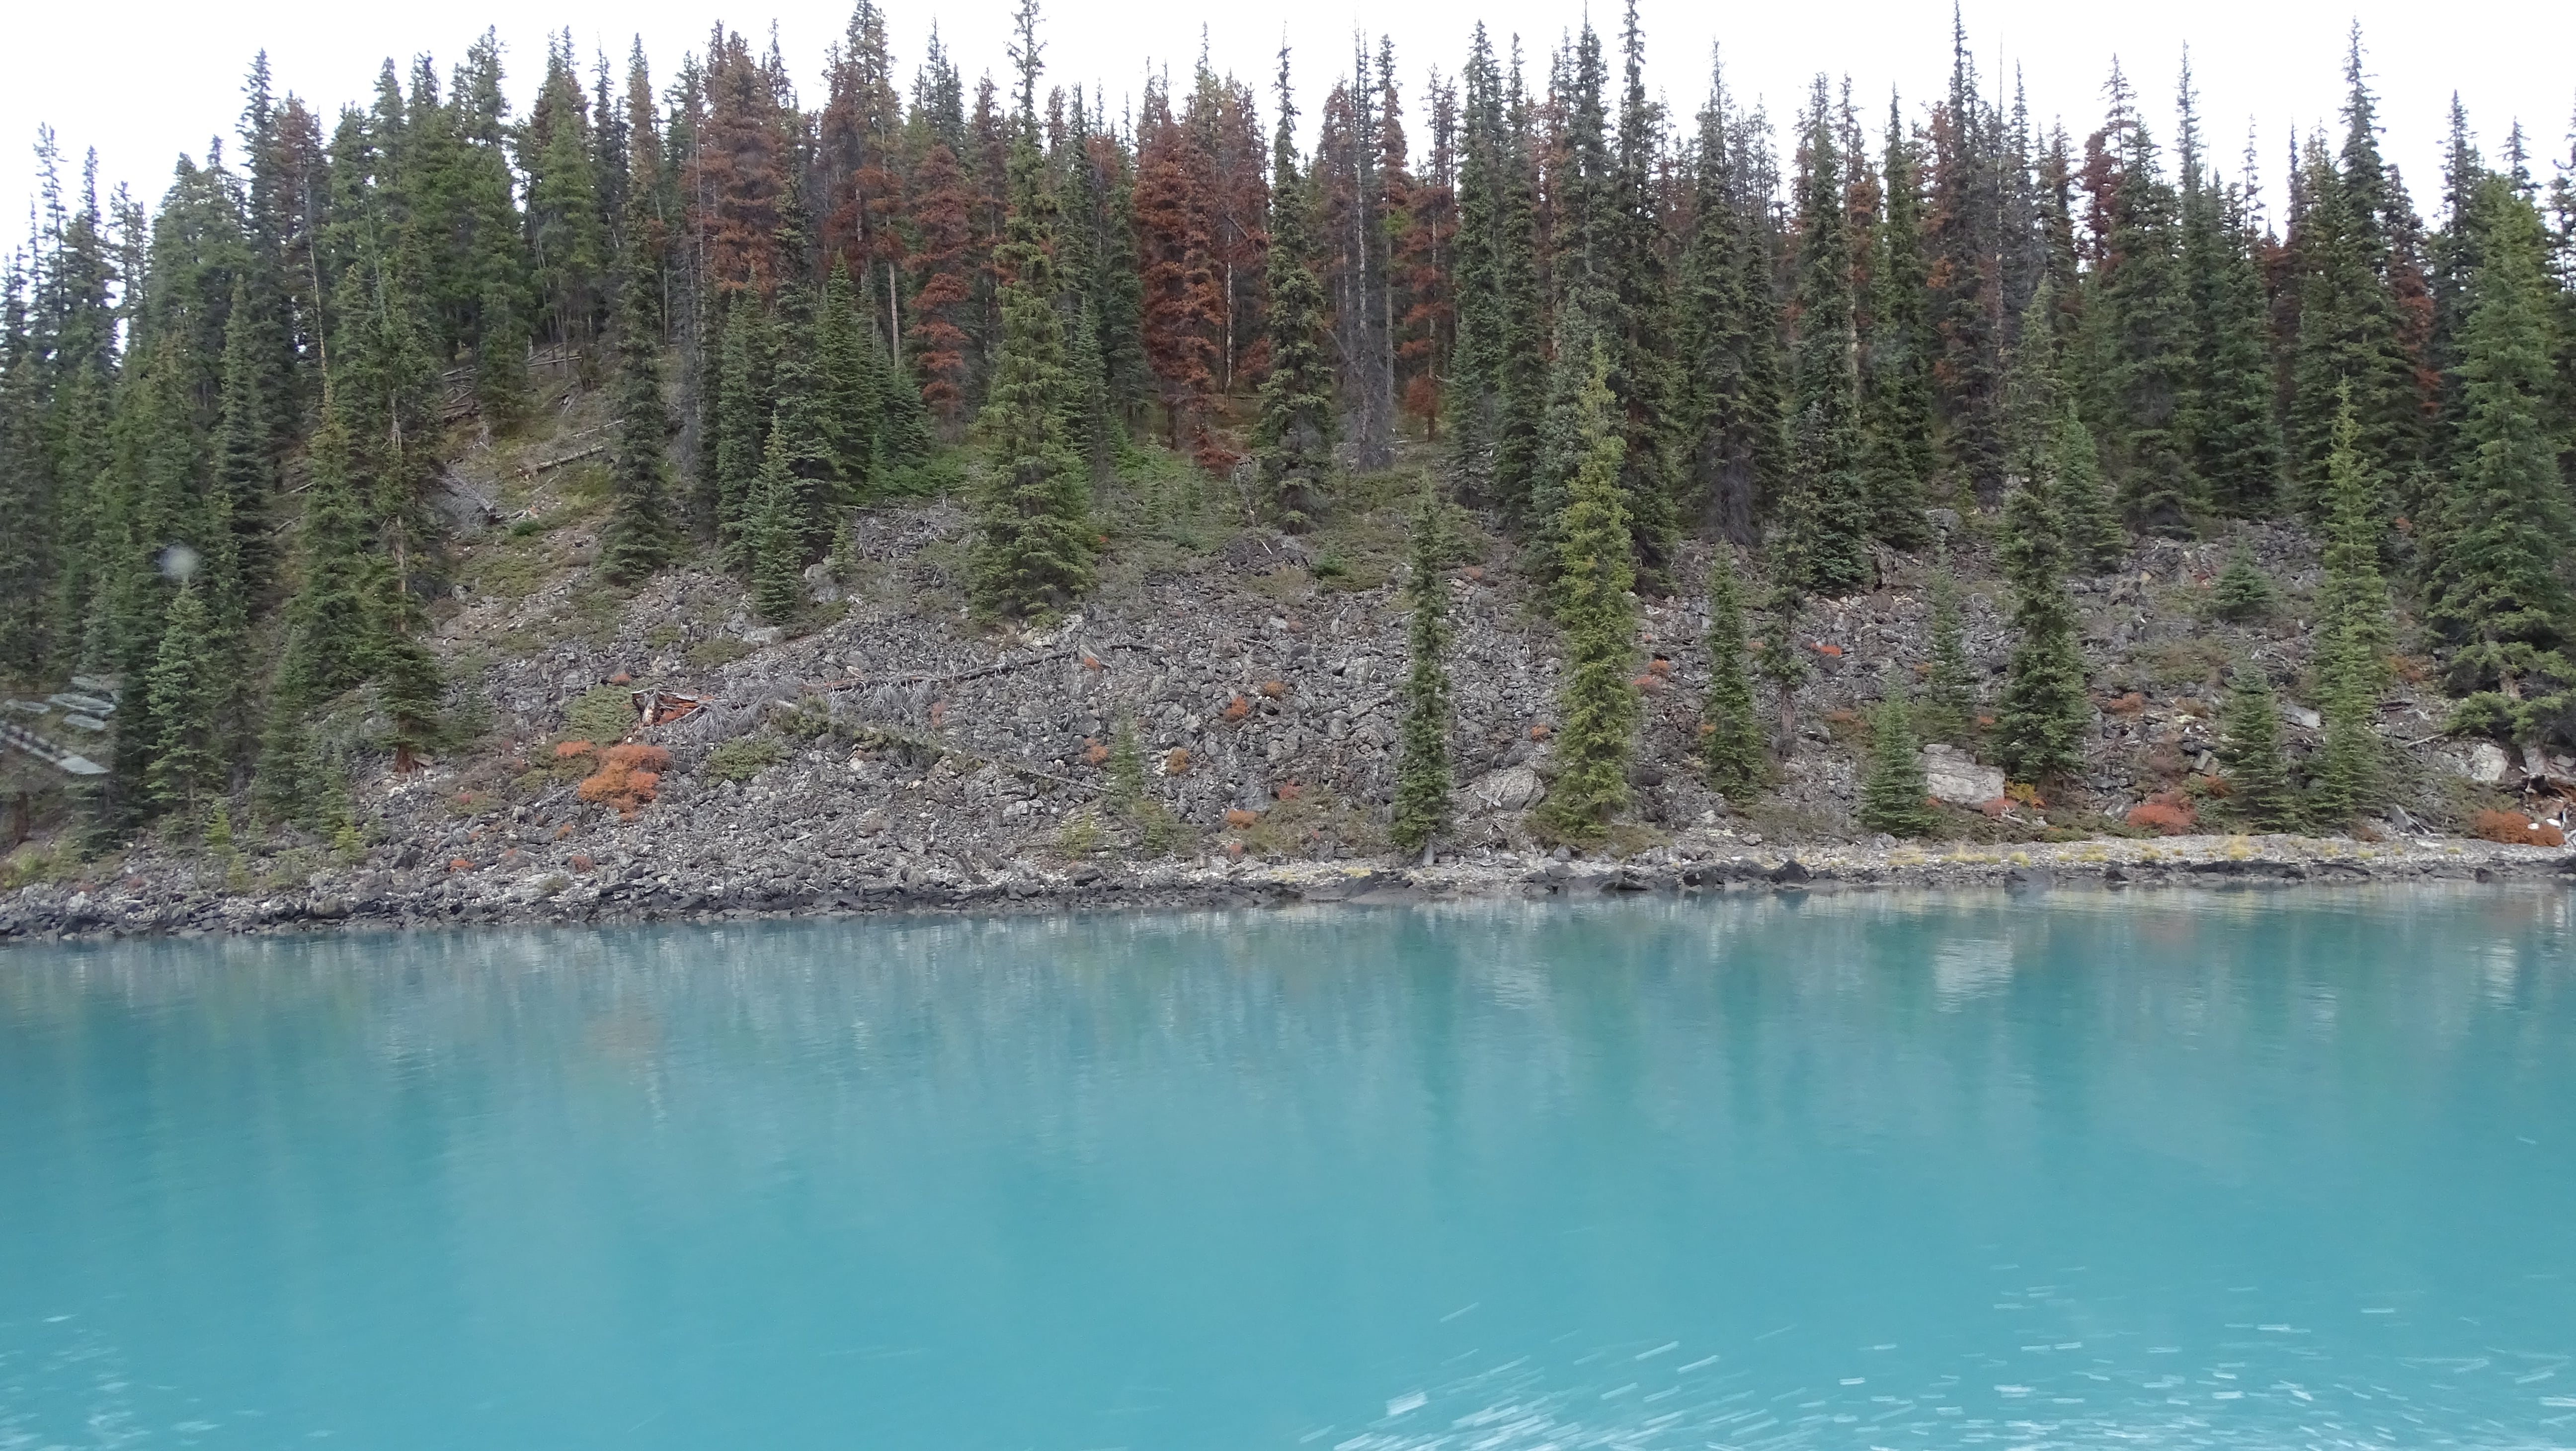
[1621, 335]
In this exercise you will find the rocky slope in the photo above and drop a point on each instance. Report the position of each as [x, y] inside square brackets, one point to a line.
[889, 750]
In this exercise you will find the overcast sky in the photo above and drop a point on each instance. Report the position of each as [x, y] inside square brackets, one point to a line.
[142, 82]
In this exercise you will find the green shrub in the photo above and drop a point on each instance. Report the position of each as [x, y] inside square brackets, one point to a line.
[743, 757]
[601, 715]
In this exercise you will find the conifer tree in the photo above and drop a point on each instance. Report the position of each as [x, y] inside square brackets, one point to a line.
[1949, 709]
[406, 673]
[739, 438]
[1735, 442]
[328, 637]
[1475, 360]
[2235, 445]
[1033, 552]
[2499, 595]
[1295, 438]
[1423, 774]
[1893, 795]
[245, 469]
[1896, 364]
[2356, 635]
[1598, 618]
[1828, 506]
[639, 537]
[187, 693]
[1730, 736]
[2142, 375]
[2244, 592]
[2259, 789]
[1523, 372]
[2092, 518]
[2040, 722]
[771, 539]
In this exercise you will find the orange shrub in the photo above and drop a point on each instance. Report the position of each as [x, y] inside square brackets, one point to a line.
[1287, 790]
[1176, 760]
[1093, 752]
[2167, 813]
[1649, 682]
[1659, 666]
[1835, 651]
[459, 864]
[2514, 829]
[2129, 704]
[566, 750]
[1236, 709]
[1274, 689]
[1239, 819]
[1541, 731]
[627, 779]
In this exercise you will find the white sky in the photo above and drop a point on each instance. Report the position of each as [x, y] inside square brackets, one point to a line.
[143, 81]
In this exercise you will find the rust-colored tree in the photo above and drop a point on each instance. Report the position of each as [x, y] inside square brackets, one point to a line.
[943, 269]
[1184, 301]
[737, 177]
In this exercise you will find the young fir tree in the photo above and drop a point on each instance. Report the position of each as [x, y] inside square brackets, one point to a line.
[639, 537]
[2039, 724]
[2259, 789]
[1893, 796]
[1033, 550]
[1423, 774]
[1949, 709]
[2357, 635]
[2498, 590]
[2243, 593]
[187, 693]
[771, 540]
[1295, 438]
[739, 435]
[1730, 736]
[1598, 617]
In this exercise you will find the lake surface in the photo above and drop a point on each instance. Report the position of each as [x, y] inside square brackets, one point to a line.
[2277, 1169]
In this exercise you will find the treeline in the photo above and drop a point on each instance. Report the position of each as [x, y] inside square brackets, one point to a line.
[219, 422]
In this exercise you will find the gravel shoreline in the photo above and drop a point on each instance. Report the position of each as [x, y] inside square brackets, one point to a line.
[382, 900]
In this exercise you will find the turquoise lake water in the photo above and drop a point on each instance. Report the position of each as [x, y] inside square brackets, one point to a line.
[2277, 1169]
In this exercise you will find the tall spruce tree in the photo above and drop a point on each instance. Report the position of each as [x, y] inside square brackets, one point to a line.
[2356, 634]
[1827, 511]
[1896, 359]
[2040, 722]
[2142, 378]
[1597, 617]
[640, 536]
[1295, 438]
[1730, 734]
[1033, 552]
[2498, 596]
[1735, 443]
[1423, 773]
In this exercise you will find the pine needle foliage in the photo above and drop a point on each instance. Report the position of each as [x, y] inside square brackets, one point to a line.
[2259, 788]
[1948, 710]
[1033, 552]
[1730, 737]
[1598, 618]
[2040, 722]
[2243, 593]
[1424, 776]
[1893, 795]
